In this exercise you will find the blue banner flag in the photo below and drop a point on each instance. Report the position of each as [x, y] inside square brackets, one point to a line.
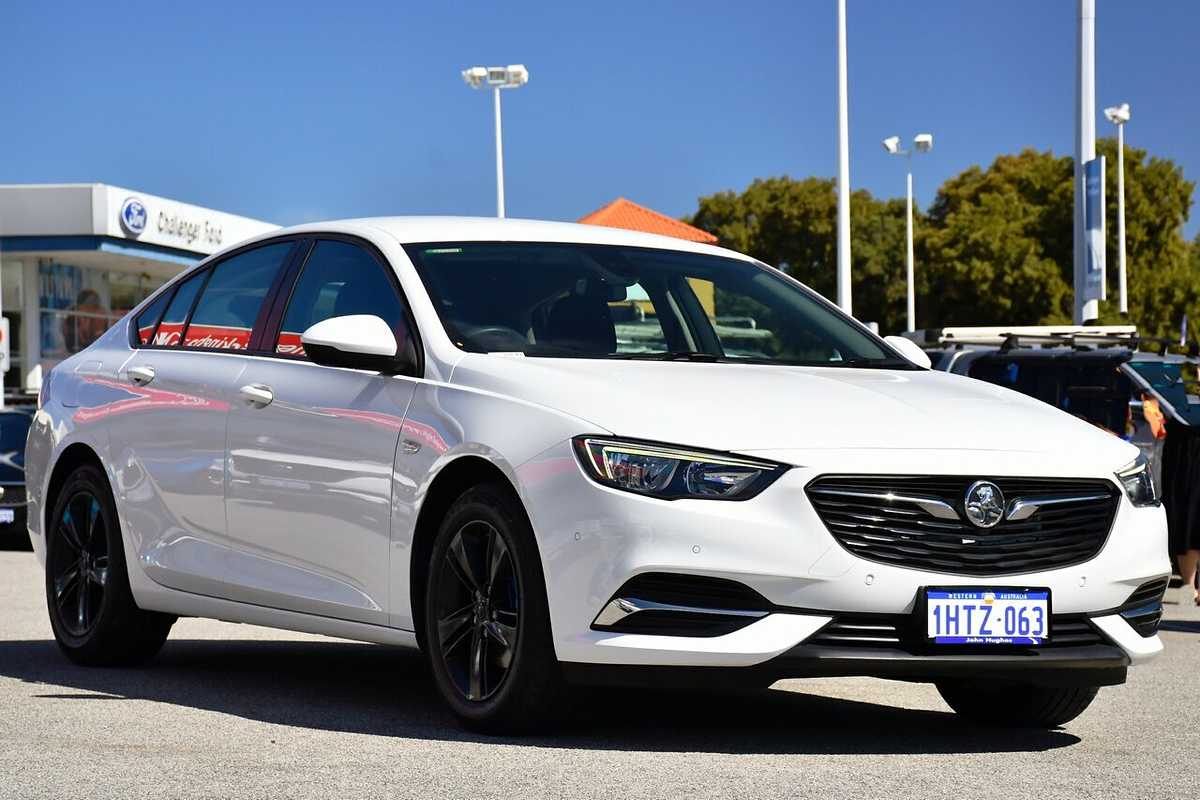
[1094, 284]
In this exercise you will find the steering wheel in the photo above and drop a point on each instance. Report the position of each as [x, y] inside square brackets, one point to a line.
[490, 335]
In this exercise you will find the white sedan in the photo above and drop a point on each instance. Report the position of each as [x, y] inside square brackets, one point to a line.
[552, 454]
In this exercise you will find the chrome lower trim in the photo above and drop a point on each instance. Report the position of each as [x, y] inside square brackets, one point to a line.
[621, 607]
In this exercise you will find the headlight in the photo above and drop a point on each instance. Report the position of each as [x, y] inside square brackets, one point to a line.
[670, 473]
[1138, 481]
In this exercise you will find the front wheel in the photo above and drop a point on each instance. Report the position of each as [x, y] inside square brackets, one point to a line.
[92, 612]
[1018, 706]
[487, 620]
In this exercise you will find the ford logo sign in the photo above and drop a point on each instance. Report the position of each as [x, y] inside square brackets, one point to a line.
[133, 216]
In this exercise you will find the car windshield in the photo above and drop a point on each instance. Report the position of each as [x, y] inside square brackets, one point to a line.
[600, 301]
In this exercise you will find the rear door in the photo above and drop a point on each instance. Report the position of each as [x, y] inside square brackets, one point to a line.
[311, 450]
[167, 426]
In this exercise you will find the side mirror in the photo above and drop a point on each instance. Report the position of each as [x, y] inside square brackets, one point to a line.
[358, 341]
[910, 350]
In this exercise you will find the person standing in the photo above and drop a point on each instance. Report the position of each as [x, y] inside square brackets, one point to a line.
[1181, 497]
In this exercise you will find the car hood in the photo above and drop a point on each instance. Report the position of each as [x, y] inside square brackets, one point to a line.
[743, 407]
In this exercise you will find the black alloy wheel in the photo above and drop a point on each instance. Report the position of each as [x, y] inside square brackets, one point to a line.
[94, 617]
[79, 564]
[486, 618]
[478, 610]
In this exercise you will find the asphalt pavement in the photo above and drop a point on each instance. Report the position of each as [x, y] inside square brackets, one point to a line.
[235, 711]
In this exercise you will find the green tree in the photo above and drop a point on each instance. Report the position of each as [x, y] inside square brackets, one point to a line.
[997, 246]
[1163, 282]
[792, 224]
[994, 248]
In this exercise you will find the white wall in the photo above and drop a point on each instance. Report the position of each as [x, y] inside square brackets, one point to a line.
[94, 209]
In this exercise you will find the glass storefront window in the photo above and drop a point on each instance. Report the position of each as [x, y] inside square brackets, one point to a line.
[11, 280]
[78, 304]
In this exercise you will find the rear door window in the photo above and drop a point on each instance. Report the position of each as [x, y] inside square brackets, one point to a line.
[226, 312]
[339, 279]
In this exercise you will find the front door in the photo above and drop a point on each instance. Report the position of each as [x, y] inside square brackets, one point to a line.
[311, 450]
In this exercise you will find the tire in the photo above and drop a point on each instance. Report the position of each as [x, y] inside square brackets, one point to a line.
[487, 620]
[92, 611]
[1018, 706]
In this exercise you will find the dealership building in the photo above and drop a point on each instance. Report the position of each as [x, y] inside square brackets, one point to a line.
[75, 257]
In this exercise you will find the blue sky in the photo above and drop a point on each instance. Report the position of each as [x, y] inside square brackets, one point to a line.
[293, 112]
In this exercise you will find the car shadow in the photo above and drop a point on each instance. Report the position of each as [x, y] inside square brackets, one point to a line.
[367, 689]
[1180, 625]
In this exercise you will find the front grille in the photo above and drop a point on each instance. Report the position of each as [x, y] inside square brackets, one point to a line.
[882, 518]
[873, 631]
[904, 632]
[1143, 610]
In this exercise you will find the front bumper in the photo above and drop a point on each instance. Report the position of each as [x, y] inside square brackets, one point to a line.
[593, 539]
[1091, 665]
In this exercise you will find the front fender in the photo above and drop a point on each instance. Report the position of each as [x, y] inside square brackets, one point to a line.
[445, 423]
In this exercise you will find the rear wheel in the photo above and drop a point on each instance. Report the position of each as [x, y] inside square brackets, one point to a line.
[92, 611]
[1018, 706]
[487, 621]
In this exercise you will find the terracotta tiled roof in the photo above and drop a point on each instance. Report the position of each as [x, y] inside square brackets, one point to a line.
[622, 213]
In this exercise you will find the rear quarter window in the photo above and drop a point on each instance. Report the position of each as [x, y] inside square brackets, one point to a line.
[147, 321]
[170, 329]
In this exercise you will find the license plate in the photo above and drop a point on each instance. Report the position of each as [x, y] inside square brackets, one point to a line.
[988, 616]
[7, 516]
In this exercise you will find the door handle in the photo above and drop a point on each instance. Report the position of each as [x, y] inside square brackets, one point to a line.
[257, 395]
[141, 375]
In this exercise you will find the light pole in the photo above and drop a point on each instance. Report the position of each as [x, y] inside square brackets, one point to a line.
[1119, 115]
[922, 143]
[1087, 299]
[496, 78]
[843, 180]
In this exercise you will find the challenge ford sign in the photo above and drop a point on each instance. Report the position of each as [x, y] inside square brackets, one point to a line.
[159, 221]
[133, 216]
[172, 225]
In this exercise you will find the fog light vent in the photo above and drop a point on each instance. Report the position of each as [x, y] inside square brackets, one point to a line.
[667, 604]
[1143, 610]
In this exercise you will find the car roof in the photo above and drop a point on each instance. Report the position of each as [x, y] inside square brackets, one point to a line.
[418, 229]
[1166, 358]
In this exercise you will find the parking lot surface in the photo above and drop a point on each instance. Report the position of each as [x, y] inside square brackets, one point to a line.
[236, 711]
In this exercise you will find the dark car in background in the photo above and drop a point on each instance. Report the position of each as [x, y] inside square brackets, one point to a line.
[1097, 373]
[1102, 374]
[14, 427]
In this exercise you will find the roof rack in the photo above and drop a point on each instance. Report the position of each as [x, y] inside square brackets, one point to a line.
[1013, 336]
[1078, 337]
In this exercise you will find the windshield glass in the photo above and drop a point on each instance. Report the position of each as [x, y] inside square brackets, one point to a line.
[600, 301]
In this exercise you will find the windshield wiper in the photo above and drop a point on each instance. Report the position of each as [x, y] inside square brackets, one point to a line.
[678, 355]
[873, 363]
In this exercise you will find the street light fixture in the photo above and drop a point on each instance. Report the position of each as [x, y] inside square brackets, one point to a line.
[1119, 115]
[922, 143]
[513, 76]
